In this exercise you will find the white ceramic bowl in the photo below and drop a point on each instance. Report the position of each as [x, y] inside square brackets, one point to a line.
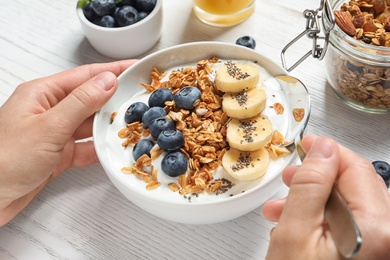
[162, 202]
[124, 42]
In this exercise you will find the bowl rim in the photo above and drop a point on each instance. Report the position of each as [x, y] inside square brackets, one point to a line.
[88, 23]
[198, 203]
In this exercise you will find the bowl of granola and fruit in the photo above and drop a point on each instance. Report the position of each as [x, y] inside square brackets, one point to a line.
[195, 132]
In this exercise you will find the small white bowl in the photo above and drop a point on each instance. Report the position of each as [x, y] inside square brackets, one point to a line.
[124, 42]
[162, 202]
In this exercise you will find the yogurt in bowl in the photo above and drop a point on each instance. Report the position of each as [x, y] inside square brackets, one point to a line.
[238, 197]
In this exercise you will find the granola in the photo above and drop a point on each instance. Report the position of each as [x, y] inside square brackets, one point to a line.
[361, 82]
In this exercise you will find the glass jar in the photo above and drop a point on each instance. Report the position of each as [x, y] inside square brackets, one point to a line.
[358, 72]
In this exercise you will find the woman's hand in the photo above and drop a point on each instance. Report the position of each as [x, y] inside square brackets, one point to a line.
[40, 125]
[302, 232]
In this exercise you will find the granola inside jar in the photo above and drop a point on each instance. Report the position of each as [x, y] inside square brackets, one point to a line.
[358, 65]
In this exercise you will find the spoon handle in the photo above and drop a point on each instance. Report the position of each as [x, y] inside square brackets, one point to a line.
[343, 227]
[342, 224]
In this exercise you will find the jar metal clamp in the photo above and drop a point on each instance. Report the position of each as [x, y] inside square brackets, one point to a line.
[313, 31]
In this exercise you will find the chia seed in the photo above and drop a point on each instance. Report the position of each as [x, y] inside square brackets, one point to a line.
[244, 161]
[248, 128]
[242, 98]
[235, 71]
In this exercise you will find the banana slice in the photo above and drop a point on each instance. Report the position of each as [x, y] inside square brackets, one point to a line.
[249, 134]
[236, 77]
[244, 104]
[246, 166]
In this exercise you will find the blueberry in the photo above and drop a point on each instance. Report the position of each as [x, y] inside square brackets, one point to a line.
[159, 96]
[174, 164]
[383, 169]
[246, 41]
[89, 12]
[186, 97]
[170, 140]
[142, 147]
[103, 7]
[160, 124]
[126, 15]
[142, 15]
[128, 2]
[145, 5]
[135, 112]
[96, 21]
[151, 114]
[107, 21]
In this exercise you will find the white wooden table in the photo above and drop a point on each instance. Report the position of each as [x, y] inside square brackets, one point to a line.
[81, 215]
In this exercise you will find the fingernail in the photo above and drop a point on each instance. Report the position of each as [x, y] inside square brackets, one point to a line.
[105, 80]
[322, 148]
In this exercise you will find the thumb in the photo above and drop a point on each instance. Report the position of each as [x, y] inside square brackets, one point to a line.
[311, 186]
[84, 101]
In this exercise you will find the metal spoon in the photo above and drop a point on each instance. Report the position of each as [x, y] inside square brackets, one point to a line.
[342, 224]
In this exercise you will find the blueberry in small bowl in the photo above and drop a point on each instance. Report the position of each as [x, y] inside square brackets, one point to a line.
[103, 7]
[121, 29]
[107, 21]
[126, 15]
[145, 5]
[89, 13]
[127, 2]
